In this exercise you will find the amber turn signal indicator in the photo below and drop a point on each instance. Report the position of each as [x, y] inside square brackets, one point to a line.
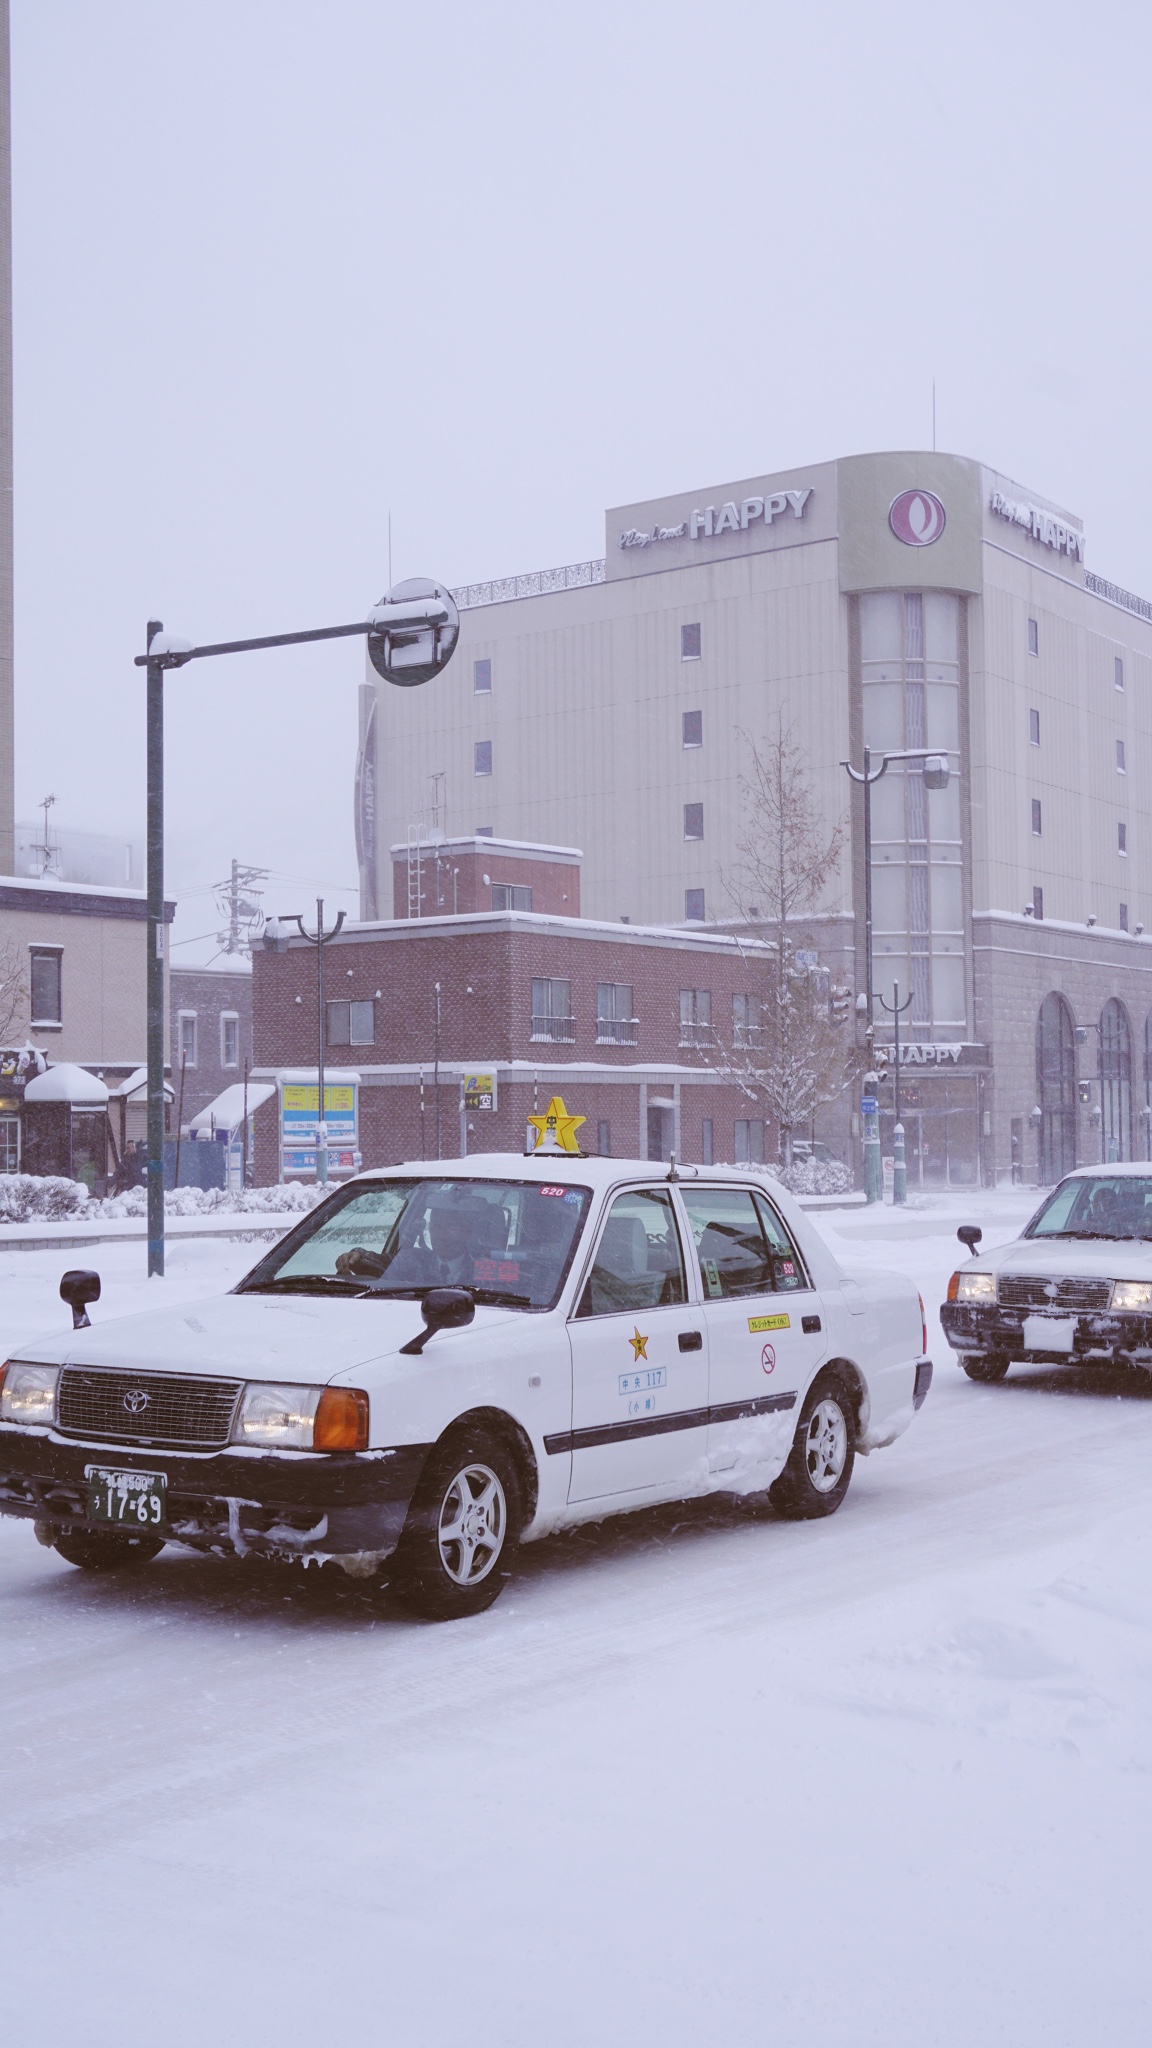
[954, 1287]
[341, 1420]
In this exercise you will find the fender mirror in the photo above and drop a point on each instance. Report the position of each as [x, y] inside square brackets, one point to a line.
[78, 1288]
[443, 1308]
[970, 1235]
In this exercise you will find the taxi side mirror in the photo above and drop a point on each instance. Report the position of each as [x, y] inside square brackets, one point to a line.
[78, 1288]
[443, 1308]
[970, 1235]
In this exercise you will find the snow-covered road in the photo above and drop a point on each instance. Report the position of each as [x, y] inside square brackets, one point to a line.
[698, 1776]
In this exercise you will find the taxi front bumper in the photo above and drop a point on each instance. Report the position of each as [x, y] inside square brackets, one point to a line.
[981, 1327]
[292, 1503]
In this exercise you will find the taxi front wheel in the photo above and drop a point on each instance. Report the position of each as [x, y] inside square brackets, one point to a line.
[985, 1367]
[463, 1529]
[819, 1468]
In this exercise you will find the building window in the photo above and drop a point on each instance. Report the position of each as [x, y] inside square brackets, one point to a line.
[749, 1147]
[1038, 905]
[482, 677]
[351, 1023]
[692, 729]
[706, 1158]
[1120, 767]
[229, 1039]
[511, 896]
[1036, 819]
[604, 1138]
[1118, 672]
[1056, 1089]
[482, 758]
[694, 906]
[552, 1011]
[46, 985]
[747, 1021]
[1033, 637]
[695, 1016]
[483, 832]
[1123, 917]
[1122, 839]
[693, 821]
[1115, 1040]
[1034, 727]
[187, 1037]
[690, 643]
[615, 1023]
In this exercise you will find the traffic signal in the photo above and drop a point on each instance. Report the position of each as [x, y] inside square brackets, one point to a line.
[841, 1005]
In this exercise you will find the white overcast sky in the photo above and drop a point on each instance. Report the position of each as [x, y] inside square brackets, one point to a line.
[282, 268]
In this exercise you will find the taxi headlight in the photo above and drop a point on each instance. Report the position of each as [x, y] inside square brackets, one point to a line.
[288, 1418]
[28, 1393]
[1131, 1294]
[976, 1287]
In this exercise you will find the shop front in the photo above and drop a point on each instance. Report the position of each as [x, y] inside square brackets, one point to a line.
[942, 1111]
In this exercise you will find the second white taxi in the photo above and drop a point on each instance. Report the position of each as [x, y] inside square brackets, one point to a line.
[441, 1362]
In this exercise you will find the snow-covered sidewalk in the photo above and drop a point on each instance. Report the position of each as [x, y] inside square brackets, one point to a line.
[698, 1777]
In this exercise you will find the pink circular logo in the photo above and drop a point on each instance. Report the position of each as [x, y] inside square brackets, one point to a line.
[768, 1358]
[917, 518]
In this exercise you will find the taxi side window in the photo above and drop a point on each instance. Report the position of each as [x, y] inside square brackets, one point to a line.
[639, 1263]
[787, 1266]
[738, 1253]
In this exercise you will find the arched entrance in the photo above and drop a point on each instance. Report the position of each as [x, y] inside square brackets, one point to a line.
[1115, 1081]
[1056, 1088]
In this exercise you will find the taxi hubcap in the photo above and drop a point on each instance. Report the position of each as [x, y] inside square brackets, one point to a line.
[826, 1446]
[473, 1518]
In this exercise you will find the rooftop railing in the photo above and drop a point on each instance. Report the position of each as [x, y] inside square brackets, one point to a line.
[538, 583]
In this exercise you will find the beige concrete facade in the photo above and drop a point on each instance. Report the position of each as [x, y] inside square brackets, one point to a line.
[894, 600]
[100, 939]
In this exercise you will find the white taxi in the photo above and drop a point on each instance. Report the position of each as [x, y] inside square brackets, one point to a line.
[441, 1362]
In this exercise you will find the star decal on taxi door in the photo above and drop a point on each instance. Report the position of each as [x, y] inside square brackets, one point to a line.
[639, 1344]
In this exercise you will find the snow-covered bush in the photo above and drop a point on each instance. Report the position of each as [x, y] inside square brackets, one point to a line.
[816, 1177]
[290, 1198]
[26, 1195]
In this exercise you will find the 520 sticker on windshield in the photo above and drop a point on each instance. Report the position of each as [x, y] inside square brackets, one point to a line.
[757, 1323]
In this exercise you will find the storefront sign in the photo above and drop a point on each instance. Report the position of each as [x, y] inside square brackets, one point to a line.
[1043, 526]
[914, 1053]
[479, 1091]
[298, 1127]
[711, 521]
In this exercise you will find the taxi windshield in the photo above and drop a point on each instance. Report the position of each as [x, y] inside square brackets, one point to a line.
[508, 1242]
[1099, 1205]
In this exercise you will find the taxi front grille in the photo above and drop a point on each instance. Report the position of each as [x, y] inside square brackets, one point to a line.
[1029, 1290]
[146, 1407]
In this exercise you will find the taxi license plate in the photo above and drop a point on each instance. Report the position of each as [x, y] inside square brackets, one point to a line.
[128, 1500]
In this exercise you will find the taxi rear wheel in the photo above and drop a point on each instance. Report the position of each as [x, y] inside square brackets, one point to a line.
[819, 1469]
[463, 1528]
[95, 1550]
[985, 1367]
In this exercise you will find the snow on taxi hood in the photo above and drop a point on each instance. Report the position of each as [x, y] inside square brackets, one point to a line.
[253, 1337]
[1091, 1258]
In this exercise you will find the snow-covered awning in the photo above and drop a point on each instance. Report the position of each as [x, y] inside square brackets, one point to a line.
[68, 1083]
[227, 1112]
[135, 1088]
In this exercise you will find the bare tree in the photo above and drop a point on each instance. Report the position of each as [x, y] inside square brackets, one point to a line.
[786, 1049]
[13, 988]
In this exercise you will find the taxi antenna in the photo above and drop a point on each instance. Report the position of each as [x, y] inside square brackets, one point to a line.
[672, 1173]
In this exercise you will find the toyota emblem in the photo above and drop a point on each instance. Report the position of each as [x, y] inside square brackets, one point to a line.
[135, 1401]
[917, 518]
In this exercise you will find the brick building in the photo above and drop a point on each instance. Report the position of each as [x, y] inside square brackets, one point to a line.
[616, 1018]
[211, 1031]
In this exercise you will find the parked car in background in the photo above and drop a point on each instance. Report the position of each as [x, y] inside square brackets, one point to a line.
[1074, 1288]
[439, 1363]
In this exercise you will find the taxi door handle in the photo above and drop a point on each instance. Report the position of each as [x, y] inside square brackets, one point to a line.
[691, 1340]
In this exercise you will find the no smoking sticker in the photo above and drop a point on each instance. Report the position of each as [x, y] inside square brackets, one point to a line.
[768, 1358]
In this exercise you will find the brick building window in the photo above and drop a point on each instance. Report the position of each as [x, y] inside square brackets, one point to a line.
[482, 758]
[706, 1154]
[694, 906]
[511, 896]
[692, 729]
[1036, 819]
[690, 642]
[615, 1023]
[749, 1145]
[552, 1011]
[1034, 727]
[482, 677]
[1033, 636]
[351, 1023]
[747, 1020]
[186, 1037]
[693, 821]
[229, 1039]
[604, 1138]
[47, 991]
[695, 1016]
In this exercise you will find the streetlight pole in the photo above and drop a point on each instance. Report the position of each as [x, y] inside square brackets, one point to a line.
[412, 635]
[899, 1163]
[320, 938]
